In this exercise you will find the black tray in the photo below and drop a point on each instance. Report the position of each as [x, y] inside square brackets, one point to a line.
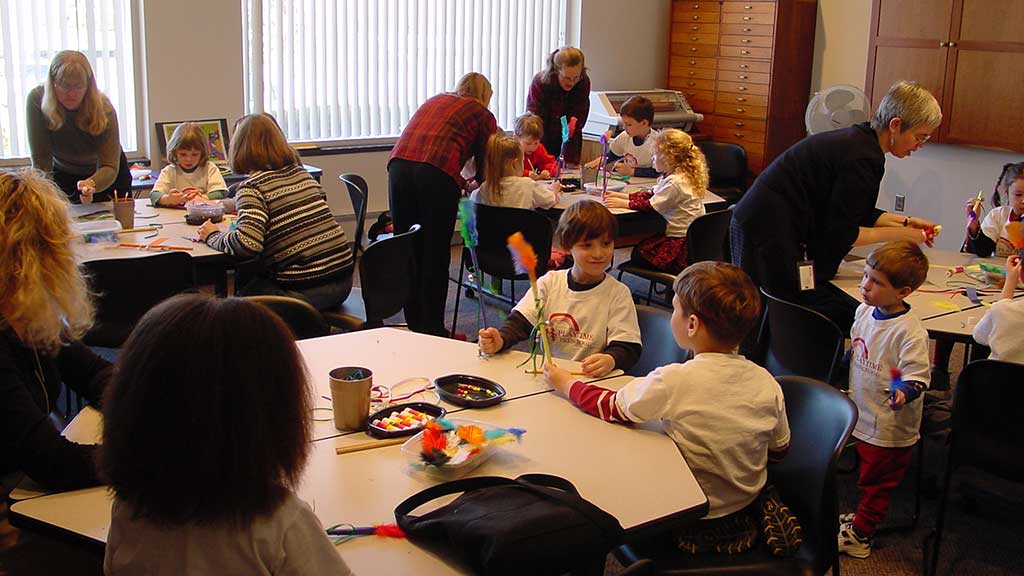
[378, 432]
[447, 385]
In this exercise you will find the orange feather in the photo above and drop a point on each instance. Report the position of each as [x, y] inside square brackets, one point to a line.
[1015, 232]
[523, 253]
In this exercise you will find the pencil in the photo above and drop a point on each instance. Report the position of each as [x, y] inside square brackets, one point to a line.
[154, 247]
[145, 229]
[571, 372]
[369, 445]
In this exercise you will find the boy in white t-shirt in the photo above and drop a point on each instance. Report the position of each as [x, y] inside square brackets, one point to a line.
[590, 315]
[631, 153]
[726, 414]
[1001, 327]
[885, 336]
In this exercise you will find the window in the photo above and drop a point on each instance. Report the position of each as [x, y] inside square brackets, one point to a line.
[33, 31]
[346, 69]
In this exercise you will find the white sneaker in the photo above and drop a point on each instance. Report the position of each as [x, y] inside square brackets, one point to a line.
[851, 544]
[846, 518]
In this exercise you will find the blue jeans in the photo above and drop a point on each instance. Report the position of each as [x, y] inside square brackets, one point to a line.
[325, 296]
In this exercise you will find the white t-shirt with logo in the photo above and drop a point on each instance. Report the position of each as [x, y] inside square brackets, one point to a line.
[1001, 329]
[994, 226]
[641, 156]
[878, 345]
[583, 323]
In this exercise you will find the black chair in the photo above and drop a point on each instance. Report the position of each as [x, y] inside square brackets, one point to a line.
[358, 192]
[798, 340]
[728, 166]
[301, 317]
[127, 288]
[384, 287]
[660, 346]
[706, 240]
[494, 225]
[986, 434]
[821, 419]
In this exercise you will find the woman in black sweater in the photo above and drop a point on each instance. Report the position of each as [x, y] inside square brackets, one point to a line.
[45, 307]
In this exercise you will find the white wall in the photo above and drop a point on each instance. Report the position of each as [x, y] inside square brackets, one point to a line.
[626, 43]
[937, 179]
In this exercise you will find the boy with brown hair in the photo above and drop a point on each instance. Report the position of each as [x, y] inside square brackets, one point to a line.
[726, 414]
[632, 152]
[889, 368]
[538, 164]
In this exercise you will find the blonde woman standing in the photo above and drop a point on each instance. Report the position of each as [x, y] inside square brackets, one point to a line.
[73, 134]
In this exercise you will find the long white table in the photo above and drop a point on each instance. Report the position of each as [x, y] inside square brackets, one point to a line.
[634, 473]
[712, 201]
[145, 213]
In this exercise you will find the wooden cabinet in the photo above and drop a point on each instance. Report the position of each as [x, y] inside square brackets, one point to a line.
[745, 65]
[968, 53]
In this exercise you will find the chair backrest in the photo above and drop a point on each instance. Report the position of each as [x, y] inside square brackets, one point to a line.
[127, 288]
[708, 236]
[302, 318]
[495, 224]
[660, 346]
[800, 341]
[986, 433]
[821, 419]
[358, 192]
[385, 273]
[727, 164]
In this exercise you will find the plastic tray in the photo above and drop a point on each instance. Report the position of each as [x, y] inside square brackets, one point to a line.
[613, 186]
[412, 448]
[98, 231]
[379, 432]
[447, 385]
[197, 213]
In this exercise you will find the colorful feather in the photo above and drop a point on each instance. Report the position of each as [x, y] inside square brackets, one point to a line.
[1015, 232]
[523, 255]
[895, 382]
[565, 128]
[572, 126]
[467, 222]
[386, 530]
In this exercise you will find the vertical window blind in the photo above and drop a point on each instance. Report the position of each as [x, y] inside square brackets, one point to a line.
[347, 69]
[33, 31]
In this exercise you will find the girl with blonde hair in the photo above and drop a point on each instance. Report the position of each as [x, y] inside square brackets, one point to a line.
[73, 133]
[283, 221]
[45, 306]
[678, 198]
[504, 183]
[190, 173]
[562, 89]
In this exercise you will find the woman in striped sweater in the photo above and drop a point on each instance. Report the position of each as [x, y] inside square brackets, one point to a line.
[283, 221]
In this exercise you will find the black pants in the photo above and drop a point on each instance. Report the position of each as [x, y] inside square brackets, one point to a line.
[420, 193]
[69, 183]
[771, 260]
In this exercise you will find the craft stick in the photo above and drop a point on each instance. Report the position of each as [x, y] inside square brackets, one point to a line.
[145, 229]
[159, 247]
[369, 445]
[977, 202]
[571, 372]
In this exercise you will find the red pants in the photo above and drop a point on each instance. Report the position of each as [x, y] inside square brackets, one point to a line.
[881, 470]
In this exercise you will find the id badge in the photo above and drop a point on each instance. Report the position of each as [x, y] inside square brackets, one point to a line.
[805, 269]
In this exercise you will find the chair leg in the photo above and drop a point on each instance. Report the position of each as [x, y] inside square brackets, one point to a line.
[650, 291]
[935, 536]
[918, 480]
[458, 293]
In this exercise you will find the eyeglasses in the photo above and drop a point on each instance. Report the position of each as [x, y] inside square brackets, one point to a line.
[70, 87]
[922, 139]
[569, 79]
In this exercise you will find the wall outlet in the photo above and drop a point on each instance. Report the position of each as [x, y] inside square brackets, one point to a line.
[901, 202]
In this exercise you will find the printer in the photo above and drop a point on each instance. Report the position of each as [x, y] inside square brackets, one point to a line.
[671, 110]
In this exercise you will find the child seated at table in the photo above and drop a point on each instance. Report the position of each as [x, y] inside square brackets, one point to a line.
[631, 152]
[504, 184]
[678, 198]
[190, 174]
[886, 335]
[590, 315]
[538, 163]
[1000, 328]
[203, 456]
[988, 236]
[726, 414]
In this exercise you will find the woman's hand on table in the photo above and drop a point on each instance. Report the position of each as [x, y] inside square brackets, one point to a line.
[86, 188]
[206, 229]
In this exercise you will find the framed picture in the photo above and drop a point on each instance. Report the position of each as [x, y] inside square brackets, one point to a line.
[216, 131]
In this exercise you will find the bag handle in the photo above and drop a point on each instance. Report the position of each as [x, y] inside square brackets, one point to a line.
[455, 486]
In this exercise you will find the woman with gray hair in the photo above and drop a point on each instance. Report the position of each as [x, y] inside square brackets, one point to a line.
[817, 200]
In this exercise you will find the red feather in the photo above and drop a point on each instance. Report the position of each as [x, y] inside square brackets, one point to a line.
[389, 531]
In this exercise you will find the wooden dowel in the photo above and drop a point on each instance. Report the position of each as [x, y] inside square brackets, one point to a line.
[154, 247]
[369, 445]
[146, 229]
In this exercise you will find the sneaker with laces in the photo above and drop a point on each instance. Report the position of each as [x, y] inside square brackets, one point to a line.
[851, 544]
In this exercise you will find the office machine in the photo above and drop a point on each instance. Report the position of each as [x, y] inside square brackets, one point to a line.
[671, 110]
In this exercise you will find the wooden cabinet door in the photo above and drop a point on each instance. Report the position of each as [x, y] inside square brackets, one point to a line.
[908, 42]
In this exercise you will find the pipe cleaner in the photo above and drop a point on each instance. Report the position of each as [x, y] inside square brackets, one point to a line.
[602, 172]
[526, 260]
[467, 226]
[340, 533]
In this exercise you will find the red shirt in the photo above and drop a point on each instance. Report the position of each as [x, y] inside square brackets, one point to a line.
[540, 161]
[446, 131]
[550, 102]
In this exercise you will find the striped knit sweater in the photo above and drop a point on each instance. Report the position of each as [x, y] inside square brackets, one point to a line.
[283, 219]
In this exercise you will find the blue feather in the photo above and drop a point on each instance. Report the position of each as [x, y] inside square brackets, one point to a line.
[467, 222]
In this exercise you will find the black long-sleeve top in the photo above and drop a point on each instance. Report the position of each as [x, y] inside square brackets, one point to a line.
[30, 382]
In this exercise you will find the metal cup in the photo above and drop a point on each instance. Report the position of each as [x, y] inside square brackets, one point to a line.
[350, 396]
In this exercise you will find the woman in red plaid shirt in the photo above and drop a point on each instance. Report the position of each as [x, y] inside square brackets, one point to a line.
[425, 185]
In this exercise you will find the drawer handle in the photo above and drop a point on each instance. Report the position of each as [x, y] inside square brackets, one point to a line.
[693, 49]
[740, 99]
[748, 7]
[747, 30]
[691, 83]
[744, 52]
[695, 28]
[695, 17]
[742, 88]
[694, 38]
[740, 124]
[738, 134]
[741, 111]
[693, 62]
[746, 41]
[744, 66]
[742, 77]
[691, 73]
[747, 18]
[696, 6]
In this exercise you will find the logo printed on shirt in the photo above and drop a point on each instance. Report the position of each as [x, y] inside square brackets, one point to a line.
[863, 361]
[563, 328]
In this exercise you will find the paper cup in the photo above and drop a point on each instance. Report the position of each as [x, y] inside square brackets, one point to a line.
[350, 396]
[124, 213]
